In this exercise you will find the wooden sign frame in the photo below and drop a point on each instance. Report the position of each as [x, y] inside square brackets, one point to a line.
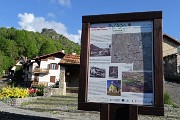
[156, 17]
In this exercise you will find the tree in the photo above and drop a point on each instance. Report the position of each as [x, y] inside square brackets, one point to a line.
[5, 62]
[15, 43]
[47, 47]
[1, 62]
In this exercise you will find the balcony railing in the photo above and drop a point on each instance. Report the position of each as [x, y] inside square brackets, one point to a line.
[41, 70]
[33, 79]
[39, 84]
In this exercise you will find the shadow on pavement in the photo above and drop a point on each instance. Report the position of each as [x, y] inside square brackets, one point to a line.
[13, 116]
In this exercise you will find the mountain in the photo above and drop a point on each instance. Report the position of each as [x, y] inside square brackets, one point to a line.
[67, 44]
[52, 33]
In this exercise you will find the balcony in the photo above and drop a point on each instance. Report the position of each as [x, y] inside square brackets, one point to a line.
[34, 84]
[40, 71]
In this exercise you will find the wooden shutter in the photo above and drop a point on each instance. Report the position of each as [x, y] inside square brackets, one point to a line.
[36, 77]
[52, 79]
[56, 66]
[50, 66]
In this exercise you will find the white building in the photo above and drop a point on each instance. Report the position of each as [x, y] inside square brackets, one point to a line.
[45, 69]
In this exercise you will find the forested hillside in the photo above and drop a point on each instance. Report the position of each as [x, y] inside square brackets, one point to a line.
[16, 43]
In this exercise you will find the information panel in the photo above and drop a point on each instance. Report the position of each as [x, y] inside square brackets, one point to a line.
[121, 63]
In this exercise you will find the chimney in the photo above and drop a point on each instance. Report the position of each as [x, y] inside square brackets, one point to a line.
[62, 51]
[73, 53]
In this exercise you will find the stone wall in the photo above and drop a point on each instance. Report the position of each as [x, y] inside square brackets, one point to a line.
[52, 91]
[62, 82]
[170, 66]
[17, 101]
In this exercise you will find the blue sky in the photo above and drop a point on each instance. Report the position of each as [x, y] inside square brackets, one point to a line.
[65, 16]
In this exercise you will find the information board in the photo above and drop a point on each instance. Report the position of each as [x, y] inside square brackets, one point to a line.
[121, 63]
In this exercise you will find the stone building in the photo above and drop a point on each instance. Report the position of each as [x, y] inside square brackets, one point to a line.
[171, 57]
[70, 70]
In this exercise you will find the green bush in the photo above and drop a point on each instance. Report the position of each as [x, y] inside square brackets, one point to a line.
[40, 91]
[1, 96]
[167, 98]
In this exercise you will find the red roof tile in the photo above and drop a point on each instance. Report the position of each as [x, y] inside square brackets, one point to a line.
[70, 59]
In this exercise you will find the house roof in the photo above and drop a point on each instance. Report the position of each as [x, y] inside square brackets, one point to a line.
[116, 84]
[71, 59]
[50, 54]
[18, 62]
[172, 39]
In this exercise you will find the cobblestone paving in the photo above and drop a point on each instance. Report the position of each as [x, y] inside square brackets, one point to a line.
[170, 114]
[71, 113]
[60, 115]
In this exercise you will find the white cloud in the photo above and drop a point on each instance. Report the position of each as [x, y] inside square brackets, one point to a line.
[32, 23]
[51, 15]
[66, 3]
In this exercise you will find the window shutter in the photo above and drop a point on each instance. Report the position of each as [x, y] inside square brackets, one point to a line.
[50, 66]
[56, 66]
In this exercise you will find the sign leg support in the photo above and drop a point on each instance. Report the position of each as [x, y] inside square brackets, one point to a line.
[133, 112]
[104, 111]
[128, 112]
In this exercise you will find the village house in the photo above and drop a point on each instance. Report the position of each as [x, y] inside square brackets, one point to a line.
[55, 70]
[22, 60]
[45, 69]
[171, 57]
[70, 70]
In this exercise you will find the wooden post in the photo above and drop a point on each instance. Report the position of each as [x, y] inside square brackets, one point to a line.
[104, 111]
[127, 112]
[133, 112]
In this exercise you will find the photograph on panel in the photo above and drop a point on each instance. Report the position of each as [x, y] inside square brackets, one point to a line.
[138, 82]
[114, 87]
[97, 72]
[100, 49]
[113, 71]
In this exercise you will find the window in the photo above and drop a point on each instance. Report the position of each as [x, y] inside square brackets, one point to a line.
[52, 79]
[48, 66]
[54, 66]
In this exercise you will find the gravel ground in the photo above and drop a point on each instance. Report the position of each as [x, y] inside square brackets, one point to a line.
[58, 116]
[173, 89]
[170, 113]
